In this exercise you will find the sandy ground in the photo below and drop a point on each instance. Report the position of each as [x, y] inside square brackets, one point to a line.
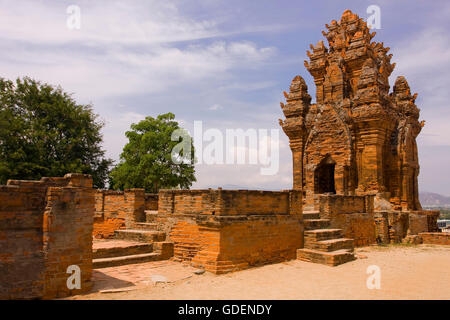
[407, 272]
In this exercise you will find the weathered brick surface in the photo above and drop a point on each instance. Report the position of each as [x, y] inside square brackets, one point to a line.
[117, 210]
[381, 227]
[417, 223]
[442, 238]
[67, 232]
[227, 230]
[21, 242]
[336, 204]
[104, 228]
[352, 214]
[357, 226]
[151, 201]
[45, 226]
[223, 202]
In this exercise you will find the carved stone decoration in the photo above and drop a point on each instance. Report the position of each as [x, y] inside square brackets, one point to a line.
[356, 133]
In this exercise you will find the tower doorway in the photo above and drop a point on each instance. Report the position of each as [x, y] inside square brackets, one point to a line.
[324, 176]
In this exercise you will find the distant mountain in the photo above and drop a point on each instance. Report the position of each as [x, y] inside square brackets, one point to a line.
[238, 187]
[433, 199]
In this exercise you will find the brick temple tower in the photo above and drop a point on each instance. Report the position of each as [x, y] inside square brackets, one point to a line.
[358, 138]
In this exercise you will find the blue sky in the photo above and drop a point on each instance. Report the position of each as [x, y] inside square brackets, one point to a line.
[225, 63]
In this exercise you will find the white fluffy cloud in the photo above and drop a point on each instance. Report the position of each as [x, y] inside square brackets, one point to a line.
[422, 59]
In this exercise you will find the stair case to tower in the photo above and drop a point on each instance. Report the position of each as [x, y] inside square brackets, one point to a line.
[323, 244]
[141, 243]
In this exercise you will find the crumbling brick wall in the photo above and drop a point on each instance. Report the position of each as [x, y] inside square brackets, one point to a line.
[381, 227]
[67, 232]
[151, 201]
[45, 226]
[120, 209]
[440, 238]
[352, 214]
[227, 230]
[357, 226]
[110, 212]
[21, 242]
[339, 204]
[417, 223]
[394, 226]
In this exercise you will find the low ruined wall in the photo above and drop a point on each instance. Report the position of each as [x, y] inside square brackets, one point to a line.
[417, 223]
[337, 204]
[110, 212]
[45, 226]
[151, 201]
[68, 219]
[360, 227]
[223, 202]
[394, 226]
[224, 245]
[441, 238]
[116, 210]
[228, 230]
[21, 242]
[352, 214]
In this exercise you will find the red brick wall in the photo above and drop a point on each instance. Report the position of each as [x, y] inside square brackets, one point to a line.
[231, 245]
[227, 230]
[110, 212]
[119, 209]
[45, 226]
[104, 228]
[442, 238]
[417, 223]
[381, 227]
[21, 255]
[357, 226]
[223, 202]
[330, 204]
[352, 214]
[68, 220]
[151, 201]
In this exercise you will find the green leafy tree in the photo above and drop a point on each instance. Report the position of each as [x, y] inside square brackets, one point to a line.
[147, 160]
[45, 133]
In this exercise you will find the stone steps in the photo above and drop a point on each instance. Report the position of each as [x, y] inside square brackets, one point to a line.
[150, 215]
[140, 235]
[123, 260]
[331, 245]
[146, 226]
[311, 215]
[323, 244]
[132, 249]
[322, 234]
[312, 224]
[333, 258]
[119, 252]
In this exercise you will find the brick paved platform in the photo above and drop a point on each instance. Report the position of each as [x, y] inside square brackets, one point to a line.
[139, 275]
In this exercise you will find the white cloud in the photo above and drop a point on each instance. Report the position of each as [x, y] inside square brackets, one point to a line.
[215, 107]
[102, 22]
[423, 60]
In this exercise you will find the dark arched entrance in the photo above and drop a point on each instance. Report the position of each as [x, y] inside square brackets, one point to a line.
[324, 176]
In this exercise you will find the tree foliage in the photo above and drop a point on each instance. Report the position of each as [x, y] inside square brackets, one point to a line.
[44, 132]
[146, 161]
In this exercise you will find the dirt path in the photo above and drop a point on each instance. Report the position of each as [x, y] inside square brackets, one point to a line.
[420, 272]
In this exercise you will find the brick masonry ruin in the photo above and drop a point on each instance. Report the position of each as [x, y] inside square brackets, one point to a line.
[355, 169]
[45, 227]
[229, 230]
[357, 144]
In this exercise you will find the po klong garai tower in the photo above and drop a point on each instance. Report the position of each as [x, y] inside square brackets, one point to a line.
[358, 138]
